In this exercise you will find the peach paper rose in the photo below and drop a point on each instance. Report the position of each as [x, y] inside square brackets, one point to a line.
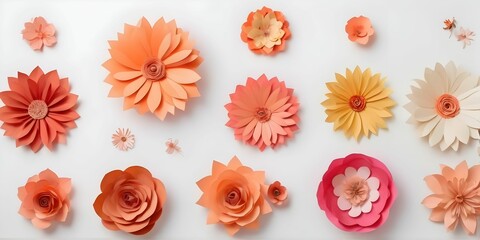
[359, 29]
[131, 200]
[45, 199]
[234, 195]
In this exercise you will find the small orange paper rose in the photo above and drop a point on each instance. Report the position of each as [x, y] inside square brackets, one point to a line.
[359, 29]
[265, 31]
[153, 68]
[39, 33]
[131, 200]
[234, 196]
[277, 193]
[45, 199]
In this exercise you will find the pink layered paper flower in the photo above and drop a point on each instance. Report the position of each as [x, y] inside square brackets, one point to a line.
[356, 193]
[39, 33]
[263, 112]
[45, 199]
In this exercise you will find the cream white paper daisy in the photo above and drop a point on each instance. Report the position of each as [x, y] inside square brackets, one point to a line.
[445, 106]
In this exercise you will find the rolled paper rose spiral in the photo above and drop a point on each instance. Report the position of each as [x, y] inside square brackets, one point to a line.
[131, 200]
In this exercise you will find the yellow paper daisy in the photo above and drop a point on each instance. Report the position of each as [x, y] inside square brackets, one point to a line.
[358, 103]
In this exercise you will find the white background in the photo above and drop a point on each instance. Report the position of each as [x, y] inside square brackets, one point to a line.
[409, 37]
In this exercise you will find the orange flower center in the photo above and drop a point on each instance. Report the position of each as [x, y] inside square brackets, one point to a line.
[459, 199]
[357, 103]
[233, 197]
[447, 106]
[356, 190]
[129, 199]
[44, 200]
[153, 69]
[38, 109]
[276, 192]
[123, 139]
[263, 114]
[361, 34]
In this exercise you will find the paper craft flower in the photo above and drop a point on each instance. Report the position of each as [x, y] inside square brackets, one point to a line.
[277, 193]
[131, 200]
[358, 103]
[263, 112]
[465, 36]
[39, 109]
[359, 29]
[45, 199]
[172, 146]
[356, 193]
[123, 139]
[456, 197]
[265, 31]
[234, 196]
[39, 33]
[450, 25]
[444, 106]
[153, 68]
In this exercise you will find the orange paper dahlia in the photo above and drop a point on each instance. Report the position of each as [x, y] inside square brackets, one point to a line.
[263, 112]
[153, 68]
[265, 31]
[39, 109]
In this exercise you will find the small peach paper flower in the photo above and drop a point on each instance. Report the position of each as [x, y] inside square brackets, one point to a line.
[172, 146]
[263, 112]
[277, 193]
[456, 197]
[265, 31]
[45, 199]
[39, 33]
[356, 193]
[465, 36]
[39, 109]
[153, 68]
[123, 139]
[131, 200]
[234, 196]
[359, 29]
[358, 103]
[444, 107]
[450, 25]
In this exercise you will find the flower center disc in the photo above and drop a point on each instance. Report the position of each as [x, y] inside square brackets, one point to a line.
[356, 191]
[233, 197]
[44, 201]
[447, 106]
[357, 103]
[154, 69]
[263, 114]
[38, 109]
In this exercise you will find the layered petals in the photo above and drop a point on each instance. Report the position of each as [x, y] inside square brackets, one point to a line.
[39, 33]
[359, 29]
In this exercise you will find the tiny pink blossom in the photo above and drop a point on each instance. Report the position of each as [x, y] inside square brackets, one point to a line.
[172, 146]
[123, 139]
[466, 36]
[39, 33]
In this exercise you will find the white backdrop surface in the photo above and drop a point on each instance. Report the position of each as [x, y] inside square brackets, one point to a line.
[409, 37]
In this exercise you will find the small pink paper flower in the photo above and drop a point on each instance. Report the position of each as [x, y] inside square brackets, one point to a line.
[39, 33]
[172, 146]
[123, 139]
[277, 193]
[356, 193]
[465, 35]
[359, 29]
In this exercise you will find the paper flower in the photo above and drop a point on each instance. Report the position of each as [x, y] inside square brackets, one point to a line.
[444, 106]
[465, 36]
[153, 68]
[265, 31]
[450, 25]
[359, 29]
[263, 112]
[172, 146]
[456, 196]
[233, 194]
[39, 109]
[277, 193]
[123, 139]
[358, 103]
[45, 199]
[356, 193]
[39, 33]
[131, 200]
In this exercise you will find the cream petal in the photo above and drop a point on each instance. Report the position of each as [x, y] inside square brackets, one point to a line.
[363, 172]
[343, 204]
[437, 134]
[350, 171]
[470, 118]
[367, 207]
[355, 211]
[373, 183]
[424, 114]
[373, 196]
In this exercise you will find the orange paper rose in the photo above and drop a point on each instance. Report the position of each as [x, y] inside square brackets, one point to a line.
[359, 29]
[131, 200]
[45, 199]
[153, 68]
[265, 31]
[234, 195]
